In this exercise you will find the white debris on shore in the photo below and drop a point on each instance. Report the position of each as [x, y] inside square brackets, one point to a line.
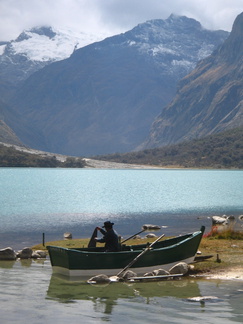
[98, 164]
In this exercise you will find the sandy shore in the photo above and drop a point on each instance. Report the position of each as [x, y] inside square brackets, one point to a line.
[97, 164]
[225, 274]
[90, 163]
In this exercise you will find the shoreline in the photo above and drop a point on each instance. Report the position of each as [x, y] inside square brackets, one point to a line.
[232, 274]
[226, 262]
[90, 163]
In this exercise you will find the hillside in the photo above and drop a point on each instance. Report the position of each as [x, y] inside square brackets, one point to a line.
[7, 135]
[104, 98]
[209, 100]
[223, 150]
[16, 156]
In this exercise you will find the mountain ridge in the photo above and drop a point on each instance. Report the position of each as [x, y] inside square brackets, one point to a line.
[105, 96]
[208, 100]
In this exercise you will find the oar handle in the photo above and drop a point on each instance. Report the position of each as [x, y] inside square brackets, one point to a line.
[133, 236]
[159, 238]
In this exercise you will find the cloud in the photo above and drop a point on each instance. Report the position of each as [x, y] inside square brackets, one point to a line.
[110, 16]
[216, 14]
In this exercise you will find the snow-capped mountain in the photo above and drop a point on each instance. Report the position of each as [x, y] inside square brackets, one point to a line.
[175, 44]
[105, 96]
[37, 47]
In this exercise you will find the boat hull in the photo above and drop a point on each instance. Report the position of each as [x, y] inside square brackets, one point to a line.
[110, 272]
[90, 262]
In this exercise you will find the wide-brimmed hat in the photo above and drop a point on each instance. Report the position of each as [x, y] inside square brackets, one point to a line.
[108, 224]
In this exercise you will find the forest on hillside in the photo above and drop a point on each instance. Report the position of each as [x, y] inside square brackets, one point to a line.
[223, 150]
[10, 157]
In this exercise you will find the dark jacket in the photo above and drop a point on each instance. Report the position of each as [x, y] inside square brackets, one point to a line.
[110, 239]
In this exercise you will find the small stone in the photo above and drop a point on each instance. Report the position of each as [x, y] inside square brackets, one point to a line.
[148, 274]
[68, 236]
[191, 267]
[150, 235]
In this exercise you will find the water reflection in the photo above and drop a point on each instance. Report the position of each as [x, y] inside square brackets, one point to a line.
[7, 264]
[106, 296]
[30, 293]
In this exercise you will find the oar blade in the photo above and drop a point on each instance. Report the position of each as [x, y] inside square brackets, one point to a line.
[92, 242]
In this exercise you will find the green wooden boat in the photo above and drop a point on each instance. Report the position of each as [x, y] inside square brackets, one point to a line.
[87, 262]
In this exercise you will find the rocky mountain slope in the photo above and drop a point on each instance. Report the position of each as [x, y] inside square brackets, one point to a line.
[7, 135]
[209, 99]
[104, 98]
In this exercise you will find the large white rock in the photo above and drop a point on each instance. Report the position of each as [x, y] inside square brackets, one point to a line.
[179, 268]
[150, 227]
[99, 279]
[39, 254]
[26, 253]
[7, 254]
[219, 220]
[129, 274]
[160, 272]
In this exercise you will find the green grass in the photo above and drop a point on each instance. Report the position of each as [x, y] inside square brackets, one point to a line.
[80, 243]
[228, 251]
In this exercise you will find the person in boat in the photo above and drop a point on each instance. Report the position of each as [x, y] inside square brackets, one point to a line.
[110, 237]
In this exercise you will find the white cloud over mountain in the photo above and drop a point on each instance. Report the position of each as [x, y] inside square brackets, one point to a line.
[110, 16]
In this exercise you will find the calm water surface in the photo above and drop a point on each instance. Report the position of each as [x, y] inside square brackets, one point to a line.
[54, 201]
[31, 294]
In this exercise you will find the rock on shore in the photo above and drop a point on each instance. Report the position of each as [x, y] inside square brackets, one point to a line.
[27, 253]
[7, 254]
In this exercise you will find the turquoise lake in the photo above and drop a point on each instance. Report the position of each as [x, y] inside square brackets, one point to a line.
[54, 201]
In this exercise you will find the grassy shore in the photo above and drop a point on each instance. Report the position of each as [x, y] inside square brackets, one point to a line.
[227, 253]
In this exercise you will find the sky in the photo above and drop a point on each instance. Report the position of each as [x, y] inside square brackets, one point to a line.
[110, 17]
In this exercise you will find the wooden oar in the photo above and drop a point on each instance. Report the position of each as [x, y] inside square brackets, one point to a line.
[133, 236]
[139, 255]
